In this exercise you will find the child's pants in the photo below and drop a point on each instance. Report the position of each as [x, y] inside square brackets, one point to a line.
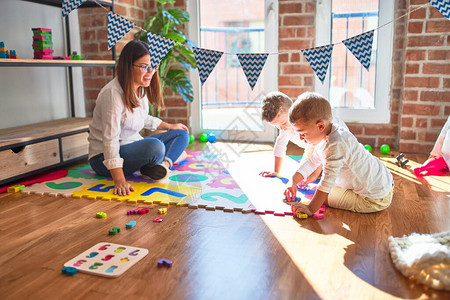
[349, 200]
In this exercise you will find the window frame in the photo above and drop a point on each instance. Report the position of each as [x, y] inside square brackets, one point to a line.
[381, 113]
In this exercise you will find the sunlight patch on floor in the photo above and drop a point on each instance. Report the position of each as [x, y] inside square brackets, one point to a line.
[436, 183]
[320, 258]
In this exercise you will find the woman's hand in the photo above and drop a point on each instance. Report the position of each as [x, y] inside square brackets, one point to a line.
[122, 188]
[179, 126]
[299, 207]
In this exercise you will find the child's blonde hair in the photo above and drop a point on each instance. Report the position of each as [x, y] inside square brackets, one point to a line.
[273, 103]
[310, 107]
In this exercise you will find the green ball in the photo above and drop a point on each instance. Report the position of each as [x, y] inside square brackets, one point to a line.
[385, 149]
[368, 148]
[203, 137]
[191, 138]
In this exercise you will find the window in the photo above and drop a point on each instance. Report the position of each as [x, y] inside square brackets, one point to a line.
[355, 94]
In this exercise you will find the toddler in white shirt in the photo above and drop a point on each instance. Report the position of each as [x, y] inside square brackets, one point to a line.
[352, 178]
[275, 109]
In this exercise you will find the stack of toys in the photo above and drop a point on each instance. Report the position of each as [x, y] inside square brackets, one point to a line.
[5, 53]
[42, 43]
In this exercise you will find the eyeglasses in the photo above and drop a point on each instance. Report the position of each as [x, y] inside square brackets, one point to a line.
[144, 69]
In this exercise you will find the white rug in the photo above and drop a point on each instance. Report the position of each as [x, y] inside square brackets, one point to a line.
[423, 257]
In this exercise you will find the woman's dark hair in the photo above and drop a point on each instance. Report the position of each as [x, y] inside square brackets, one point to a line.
[132, 51]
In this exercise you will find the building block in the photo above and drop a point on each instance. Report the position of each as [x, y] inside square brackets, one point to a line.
[13, 189]
[69, 271]
[114, 231]
[141, 211]
[164, 262]
[100, 215]
[162, 211]
[302, 215]
[130, 224]
[158, 220]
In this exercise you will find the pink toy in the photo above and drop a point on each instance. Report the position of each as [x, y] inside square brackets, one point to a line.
[158, 220]
[138, 211]
[435, 166]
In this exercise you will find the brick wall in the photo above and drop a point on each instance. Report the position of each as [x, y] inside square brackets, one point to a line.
[426, 81]
[420, 85]
[93, 30]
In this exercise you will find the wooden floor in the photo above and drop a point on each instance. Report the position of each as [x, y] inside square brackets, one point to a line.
[219, 255]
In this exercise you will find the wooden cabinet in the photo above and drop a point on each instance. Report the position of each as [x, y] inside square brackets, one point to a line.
[25, 150]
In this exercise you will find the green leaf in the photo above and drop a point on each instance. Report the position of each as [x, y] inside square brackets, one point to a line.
[180, 16]
[187, 55]
[178, 82]
[176, 36]
[166, 1]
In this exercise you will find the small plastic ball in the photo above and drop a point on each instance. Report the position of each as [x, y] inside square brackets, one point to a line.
[191, 138]
[385, 149]
[211, 138]
[368, 148]
[203, 137]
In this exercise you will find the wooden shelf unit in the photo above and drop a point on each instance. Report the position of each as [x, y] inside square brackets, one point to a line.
[26, 150]
[55, 63]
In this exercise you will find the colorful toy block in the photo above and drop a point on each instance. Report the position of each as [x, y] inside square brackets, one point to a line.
[141, 211]
[162, 211]
[158, 220]
[130, 224]
[302, 215]
[114, 231]
[15, 188]
[100, 215]
[164, 262]
[69, 271]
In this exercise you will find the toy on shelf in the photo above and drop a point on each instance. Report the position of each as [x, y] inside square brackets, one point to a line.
[76, 56]
[7, 53]
[42, 43]
[401, 160]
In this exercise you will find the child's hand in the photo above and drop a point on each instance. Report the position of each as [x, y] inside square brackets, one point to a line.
[299, 207]
[268, 174]
[122, 188]
[290, 193]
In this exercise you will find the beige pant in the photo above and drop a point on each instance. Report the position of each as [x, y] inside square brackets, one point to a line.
[349, 200]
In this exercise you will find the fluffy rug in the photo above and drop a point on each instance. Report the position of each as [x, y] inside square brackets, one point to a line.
[423, 257]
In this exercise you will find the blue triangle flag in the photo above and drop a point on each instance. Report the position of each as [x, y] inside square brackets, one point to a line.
[252, 64]
[443, 6]
[118, 26]
[206, 61]
[361, 47]
[158, 46]
[319, 59]
[69, 5]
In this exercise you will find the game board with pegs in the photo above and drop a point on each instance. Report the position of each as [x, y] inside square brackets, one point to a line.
[107, 259]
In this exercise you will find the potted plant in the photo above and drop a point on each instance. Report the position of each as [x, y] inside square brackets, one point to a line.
[175, 65]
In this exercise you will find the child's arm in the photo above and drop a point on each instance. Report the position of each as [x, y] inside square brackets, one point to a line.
[316, 202]
[291, 192]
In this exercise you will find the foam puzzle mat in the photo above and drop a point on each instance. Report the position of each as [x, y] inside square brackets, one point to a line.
[199, 181]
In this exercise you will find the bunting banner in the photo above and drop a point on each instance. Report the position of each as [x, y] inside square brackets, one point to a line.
[319, 59]
[158, 46]
[118, 26]
[69, 5]
[206, 61]
[361, 47]
[252, 64]
[443, 6]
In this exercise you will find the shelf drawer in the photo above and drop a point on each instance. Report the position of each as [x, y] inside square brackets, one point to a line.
[30, 158]
[74, 146]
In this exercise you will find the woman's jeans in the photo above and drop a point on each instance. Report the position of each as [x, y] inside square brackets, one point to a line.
[151, 150]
